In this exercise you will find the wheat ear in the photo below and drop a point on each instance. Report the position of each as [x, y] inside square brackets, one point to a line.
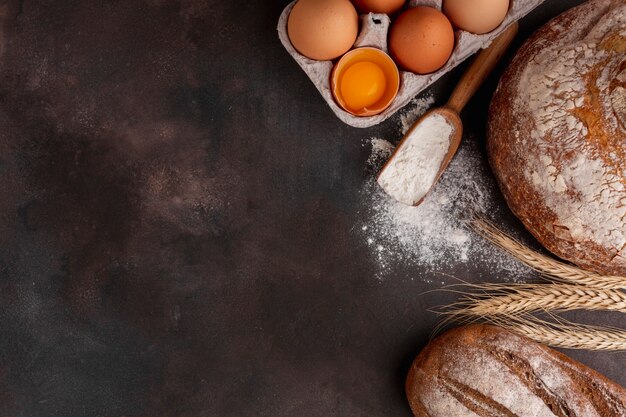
[545, 265]
[495, 299]
[563, 335]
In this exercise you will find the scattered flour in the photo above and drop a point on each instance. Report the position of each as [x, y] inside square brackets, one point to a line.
[381, 151]
[434, 235]
[418, 107]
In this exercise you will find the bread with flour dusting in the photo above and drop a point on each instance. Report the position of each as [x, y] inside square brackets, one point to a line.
[486, 371]
[557, 135]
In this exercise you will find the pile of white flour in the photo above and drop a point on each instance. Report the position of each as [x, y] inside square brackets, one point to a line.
[434, 235]
[414, 168]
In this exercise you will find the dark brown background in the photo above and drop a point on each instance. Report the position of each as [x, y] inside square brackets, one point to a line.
[177, 206]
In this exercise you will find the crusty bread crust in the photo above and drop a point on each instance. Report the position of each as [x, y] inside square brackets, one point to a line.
[549, 159]
[486, 371]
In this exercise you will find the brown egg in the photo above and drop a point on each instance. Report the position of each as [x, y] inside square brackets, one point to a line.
[323, 29]
[378, 6]
[476, 16]
[421, 40]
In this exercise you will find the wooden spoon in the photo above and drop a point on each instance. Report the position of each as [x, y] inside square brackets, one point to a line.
[473, 78]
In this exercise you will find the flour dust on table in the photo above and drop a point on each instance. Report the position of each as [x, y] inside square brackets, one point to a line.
[434, 234]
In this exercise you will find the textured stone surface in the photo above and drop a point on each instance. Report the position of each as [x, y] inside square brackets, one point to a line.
[177, 206]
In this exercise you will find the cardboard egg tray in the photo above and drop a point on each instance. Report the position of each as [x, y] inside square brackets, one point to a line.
[373, 32]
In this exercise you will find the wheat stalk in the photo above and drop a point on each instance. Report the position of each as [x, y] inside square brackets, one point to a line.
[512, 299]
[547, 266]
[593, 339]
[568, 336]
[509, 305]
[564, 334]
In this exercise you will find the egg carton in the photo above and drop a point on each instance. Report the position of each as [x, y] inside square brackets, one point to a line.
[373, 32]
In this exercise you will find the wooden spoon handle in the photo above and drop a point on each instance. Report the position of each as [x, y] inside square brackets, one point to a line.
[480, 69]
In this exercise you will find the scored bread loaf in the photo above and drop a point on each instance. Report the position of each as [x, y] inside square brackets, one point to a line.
[557, 135]
[486, 371]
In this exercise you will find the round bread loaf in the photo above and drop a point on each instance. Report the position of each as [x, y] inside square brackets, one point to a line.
[557, 135]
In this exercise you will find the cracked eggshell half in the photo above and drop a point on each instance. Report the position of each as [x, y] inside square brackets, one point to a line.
[365, 81]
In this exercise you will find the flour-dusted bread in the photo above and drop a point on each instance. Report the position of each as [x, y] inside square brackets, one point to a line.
[557, 135]
[485, 371]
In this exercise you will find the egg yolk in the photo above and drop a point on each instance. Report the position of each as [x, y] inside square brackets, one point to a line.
[362, 85]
